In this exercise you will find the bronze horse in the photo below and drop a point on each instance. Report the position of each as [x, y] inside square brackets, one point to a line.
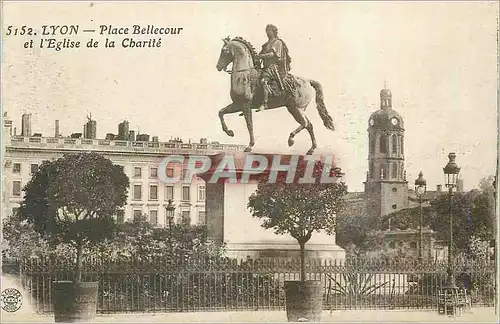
[246, 92]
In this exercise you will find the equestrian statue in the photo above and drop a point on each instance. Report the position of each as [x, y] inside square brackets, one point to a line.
[262, 81]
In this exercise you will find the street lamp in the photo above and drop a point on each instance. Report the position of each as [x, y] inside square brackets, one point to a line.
[451, 171]
[420, 189]
[170, 208]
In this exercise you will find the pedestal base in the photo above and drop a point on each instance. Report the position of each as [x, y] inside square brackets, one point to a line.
[280, 250]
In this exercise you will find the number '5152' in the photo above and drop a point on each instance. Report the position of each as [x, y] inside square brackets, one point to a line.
[24, 30]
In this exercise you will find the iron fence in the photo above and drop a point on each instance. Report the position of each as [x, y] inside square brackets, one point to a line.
[158, 285]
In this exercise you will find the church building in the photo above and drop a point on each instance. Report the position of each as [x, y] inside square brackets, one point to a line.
[386, 188]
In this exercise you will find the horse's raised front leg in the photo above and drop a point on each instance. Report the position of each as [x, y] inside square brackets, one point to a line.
[247, 111]
[229, 109]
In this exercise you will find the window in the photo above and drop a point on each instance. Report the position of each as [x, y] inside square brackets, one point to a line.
[384, 175]
[137, 172]
[153, 192]
[120, 217]
[201, 193]
[185, 193]
[401, 141]
[413, 245]
[137, 192]
[16, 188]
[392, 245]
[370, 170]
[383, 144]
[169, 192]
[34, 168]
[372, 144]
[394, 189]
[153, 217]
[394, 170]
[186, 218]
[394, 144]
[16, 168]
[154, 173]
[201, 218]
[394, 206]
[137, 215]
[170, 173]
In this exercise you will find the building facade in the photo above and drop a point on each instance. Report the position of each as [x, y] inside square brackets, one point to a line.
[386, 188]
[147, 195]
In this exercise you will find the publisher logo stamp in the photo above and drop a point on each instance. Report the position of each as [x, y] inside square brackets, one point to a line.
[11, 300]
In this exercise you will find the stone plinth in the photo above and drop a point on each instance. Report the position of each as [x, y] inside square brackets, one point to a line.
[229, 220]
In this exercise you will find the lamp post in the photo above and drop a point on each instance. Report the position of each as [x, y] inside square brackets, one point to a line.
[170, 208]
[420, 189]
[451, 171]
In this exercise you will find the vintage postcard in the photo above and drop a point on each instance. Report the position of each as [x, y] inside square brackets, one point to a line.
[245, 161]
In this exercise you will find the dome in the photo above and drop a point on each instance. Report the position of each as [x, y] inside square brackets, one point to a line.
[386, 119]
[385, 93]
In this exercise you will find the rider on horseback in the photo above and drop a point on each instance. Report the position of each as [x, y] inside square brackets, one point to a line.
[274, 53]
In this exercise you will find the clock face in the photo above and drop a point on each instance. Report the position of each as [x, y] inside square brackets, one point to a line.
[372, 122]
[394, 121]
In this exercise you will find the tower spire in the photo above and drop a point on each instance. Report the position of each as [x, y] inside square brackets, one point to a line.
[385, 83]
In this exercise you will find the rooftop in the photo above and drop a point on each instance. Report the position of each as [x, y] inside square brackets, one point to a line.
[65, 143]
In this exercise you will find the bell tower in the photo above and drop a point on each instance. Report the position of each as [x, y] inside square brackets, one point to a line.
[386, 188]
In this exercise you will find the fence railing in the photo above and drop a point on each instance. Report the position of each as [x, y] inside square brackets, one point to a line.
[157, 285]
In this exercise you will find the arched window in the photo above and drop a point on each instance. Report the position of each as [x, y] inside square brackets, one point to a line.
[394, 144]
[394, 170]
[383, 144]
[401, 138]
[384, 171]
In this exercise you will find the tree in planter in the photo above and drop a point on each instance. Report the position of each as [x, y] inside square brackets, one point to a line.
[72, 200]
[299, 209]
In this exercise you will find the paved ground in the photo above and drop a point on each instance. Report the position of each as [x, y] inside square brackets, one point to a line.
[476, 315]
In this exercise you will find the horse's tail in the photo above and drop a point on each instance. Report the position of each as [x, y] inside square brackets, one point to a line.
[320, 104]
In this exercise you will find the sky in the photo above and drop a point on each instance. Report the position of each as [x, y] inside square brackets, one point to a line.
[439, 59]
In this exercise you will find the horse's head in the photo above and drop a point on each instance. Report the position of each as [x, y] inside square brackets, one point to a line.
[238, 51]
[226, 55]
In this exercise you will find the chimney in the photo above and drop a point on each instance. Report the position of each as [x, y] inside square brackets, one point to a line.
[155, 138]
[56, 133]
[26, 125]
[439, 188]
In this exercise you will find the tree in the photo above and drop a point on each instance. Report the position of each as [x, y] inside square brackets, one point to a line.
[20, 240]
[407, 218]
[73, 200]
[357, 233]
[472, 217]
[140, 239]
[298, 209]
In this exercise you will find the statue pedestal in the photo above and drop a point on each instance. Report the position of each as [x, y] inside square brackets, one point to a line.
[229, 220]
